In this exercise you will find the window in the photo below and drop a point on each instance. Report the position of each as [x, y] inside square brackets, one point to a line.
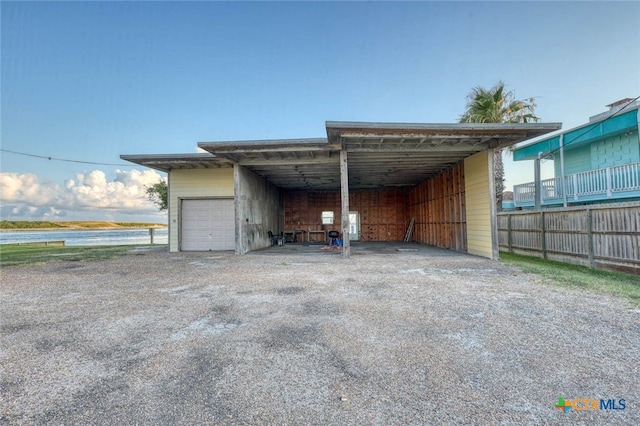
[327, 218]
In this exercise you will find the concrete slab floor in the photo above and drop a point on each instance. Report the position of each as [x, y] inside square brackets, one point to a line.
[359, 248]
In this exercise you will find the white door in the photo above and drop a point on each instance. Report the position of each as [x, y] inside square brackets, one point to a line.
[208, 224]
[354, 226]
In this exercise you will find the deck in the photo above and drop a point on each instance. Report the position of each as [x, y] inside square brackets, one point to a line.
[612, 183]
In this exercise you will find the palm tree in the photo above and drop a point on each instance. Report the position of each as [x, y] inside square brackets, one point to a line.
[498, 106]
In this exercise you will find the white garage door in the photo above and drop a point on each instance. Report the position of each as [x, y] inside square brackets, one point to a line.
[208, 225]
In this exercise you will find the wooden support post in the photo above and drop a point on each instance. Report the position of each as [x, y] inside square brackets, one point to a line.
[562, 176]
[344, 190]
[543, 241]
[538, 183]
[493, 216]
[592, 263]
[509, 233]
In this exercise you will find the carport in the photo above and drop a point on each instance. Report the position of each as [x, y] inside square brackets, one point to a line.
[436, 179]
[428, 183]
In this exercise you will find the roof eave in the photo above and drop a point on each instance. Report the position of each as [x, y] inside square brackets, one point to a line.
[272, 144]
[168, 162]
[514, 132]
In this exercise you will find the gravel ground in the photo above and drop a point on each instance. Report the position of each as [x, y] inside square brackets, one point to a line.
[305, 337]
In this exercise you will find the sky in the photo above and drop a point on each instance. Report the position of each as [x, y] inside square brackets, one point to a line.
[89, 81]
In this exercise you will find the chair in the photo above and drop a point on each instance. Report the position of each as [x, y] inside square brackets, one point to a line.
[276, 239]
[333, 235]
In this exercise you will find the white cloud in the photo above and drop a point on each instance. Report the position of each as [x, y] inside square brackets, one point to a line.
[25, 195]
[31, 212]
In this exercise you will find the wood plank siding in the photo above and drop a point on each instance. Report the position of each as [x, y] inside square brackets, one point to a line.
[438, 205]
[195, 183]
[383, 215]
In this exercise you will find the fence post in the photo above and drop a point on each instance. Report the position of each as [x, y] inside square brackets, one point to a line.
[509, 237]
[575, 187]
[609, 183]
[151, 234]
[544, 235]
[590, 237]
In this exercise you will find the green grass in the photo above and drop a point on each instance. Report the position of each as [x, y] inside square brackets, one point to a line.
[578, 277]
[23, 224]
[23, 255]
[33, 224]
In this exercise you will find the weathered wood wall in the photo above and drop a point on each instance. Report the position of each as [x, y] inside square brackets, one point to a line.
[600, 236]
[383, 213]
[438, 205]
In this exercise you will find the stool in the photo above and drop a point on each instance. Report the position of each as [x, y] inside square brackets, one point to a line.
[333, 235]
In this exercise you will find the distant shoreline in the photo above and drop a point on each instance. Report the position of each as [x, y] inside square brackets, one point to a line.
[24, 226]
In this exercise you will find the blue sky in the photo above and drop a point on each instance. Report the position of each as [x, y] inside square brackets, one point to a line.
[92, 80]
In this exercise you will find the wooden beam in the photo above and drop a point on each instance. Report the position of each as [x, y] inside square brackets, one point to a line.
[274, 162]
[344, 191]
[495, 248]
[486, 132]
[441, 149]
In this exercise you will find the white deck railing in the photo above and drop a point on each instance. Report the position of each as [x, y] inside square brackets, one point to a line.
[606, 182]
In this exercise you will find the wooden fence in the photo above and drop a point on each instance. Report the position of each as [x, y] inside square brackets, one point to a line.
[603, 236]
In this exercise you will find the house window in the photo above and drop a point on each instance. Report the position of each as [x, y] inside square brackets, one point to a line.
[327, 218]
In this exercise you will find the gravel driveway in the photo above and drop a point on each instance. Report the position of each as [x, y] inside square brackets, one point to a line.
[299, 336]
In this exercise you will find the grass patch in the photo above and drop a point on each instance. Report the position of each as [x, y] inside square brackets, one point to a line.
[21, 224]
[22, 255]
[29, 224]
[576, 276]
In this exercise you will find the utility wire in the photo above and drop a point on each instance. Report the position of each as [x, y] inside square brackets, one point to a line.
[590, 128]
[65, 159]
[565, 144]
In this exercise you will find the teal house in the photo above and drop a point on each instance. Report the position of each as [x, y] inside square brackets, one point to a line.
[594, 163]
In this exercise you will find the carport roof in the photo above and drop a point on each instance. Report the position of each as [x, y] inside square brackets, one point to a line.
[167, 162]
[379, 155]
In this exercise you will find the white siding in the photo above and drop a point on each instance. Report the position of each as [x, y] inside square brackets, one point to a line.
[195, 183]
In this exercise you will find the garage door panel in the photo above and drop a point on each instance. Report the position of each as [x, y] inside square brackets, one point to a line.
[208, 224]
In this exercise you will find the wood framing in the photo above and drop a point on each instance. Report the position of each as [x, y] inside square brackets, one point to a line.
[344, 190]
[438, 204]
[383, 212]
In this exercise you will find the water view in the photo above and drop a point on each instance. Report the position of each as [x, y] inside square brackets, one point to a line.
[92, 237]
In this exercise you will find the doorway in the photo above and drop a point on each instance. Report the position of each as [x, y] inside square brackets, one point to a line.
[354, 226]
